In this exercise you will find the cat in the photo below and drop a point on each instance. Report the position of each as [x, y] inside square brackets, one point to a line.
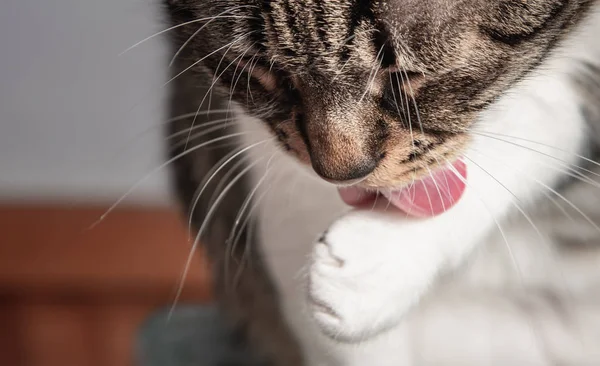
[304, 132]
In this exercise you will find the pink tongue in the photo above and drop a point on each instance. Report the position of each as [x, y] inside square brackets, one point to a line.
[428, 197]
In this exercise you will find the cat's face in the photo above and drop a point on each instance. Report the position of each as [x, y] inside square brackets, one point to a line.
[376, 91]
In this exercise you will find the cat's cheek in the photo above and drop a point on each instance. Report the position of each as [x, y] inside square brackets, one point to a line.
[298, 148]
[294, 144]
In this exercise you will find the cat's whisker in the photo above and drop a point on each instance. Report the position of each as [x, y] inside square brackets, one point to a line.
[247, 247]
[341, 69]
[439, 192]
[222, 146]
[249, 64]
[233, 84]
[234, 80]
[161, 87]
[527, 217]
[197, 135]
[249, 216]
[516, 202]
[291, 191]
[579, 156]
[216, 78]
[213, 174]
[197, 62]
[375, 202]
[402, 91]
[412, 194]
[571, 204]
[184, 116]
[552, 199]
[173, 28]
[428, 195]
[214, 82]
[217, 124]
[554, 202]
[244, 206]
[156, 170]
[211, 88]
[447, 187]
[233, 242]
[218, 16]
[249, 223]
[207, 219]
[373, 73]
[226, 178]
[253, 62]
[568, 170]
[509, 249]
[230, 246]
[239, 59]
[412, 95]
[203, 183]
[568, 166]
[396, 100]
[389, 202]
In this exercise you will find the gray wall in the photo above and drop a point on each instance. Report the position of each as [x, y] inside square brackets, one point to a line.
[78, 121]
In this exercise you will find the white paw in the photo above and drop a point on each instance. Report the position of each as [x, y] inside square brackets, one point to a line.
[365, 275]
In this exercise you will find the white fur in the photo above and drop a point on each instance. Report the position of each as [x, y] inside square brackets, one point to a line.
[364, 278]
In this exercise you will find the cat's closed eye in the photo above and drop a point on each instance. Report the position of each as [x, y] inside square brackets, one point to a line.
[513, 21]
[398, 93]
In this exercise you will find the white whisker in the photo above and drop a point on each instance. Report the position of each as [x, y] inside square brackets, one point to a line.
[214, 174]
[167, 30]
[500, 229]
[207, 218]
[487, 134]
[218, 16]
[156, 170]
[196, 63]
[211, 87]
[413, 100]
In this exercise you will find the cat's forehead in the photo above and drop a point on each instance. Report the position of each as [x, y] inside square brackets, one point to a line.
[408, 16]
[312, 32]
[332, 13]
[433, 9]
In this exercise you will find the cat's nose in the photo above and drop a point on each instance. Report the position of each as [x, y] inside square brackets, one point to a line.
[345, 174]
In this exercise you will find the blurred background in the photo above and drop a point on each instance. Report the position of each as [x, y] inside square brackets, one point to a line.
[81, 124]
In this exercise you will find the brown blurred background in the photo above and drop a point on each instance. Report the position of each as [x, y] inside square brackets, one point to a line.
[72, 296]
[80, 124]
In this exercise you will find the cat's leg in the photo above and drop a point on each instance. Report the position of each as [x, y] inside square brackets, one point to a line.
[372, 266]
[492, 327]
[520, 327]
[546, 312]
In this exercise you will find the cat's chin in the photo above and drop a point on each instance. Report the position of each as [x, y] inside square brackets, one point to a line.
[430, 196]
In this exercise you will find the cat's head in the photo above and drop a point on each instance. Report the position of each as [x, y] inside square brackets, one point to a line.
[376, 91]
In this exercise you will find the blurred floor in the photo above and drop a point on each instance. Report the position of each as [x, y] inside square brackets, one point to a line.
[72, 296]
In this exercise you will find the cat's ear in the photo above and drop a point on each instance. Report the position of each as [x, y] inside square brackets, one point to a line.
[511, 21]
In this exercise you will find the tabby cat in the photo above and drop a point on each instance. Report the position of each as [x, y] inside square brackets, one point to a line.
[395, 182]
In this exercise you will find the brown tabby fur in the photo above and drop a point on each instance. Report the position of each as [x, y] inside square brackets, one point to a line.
[339, 82]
